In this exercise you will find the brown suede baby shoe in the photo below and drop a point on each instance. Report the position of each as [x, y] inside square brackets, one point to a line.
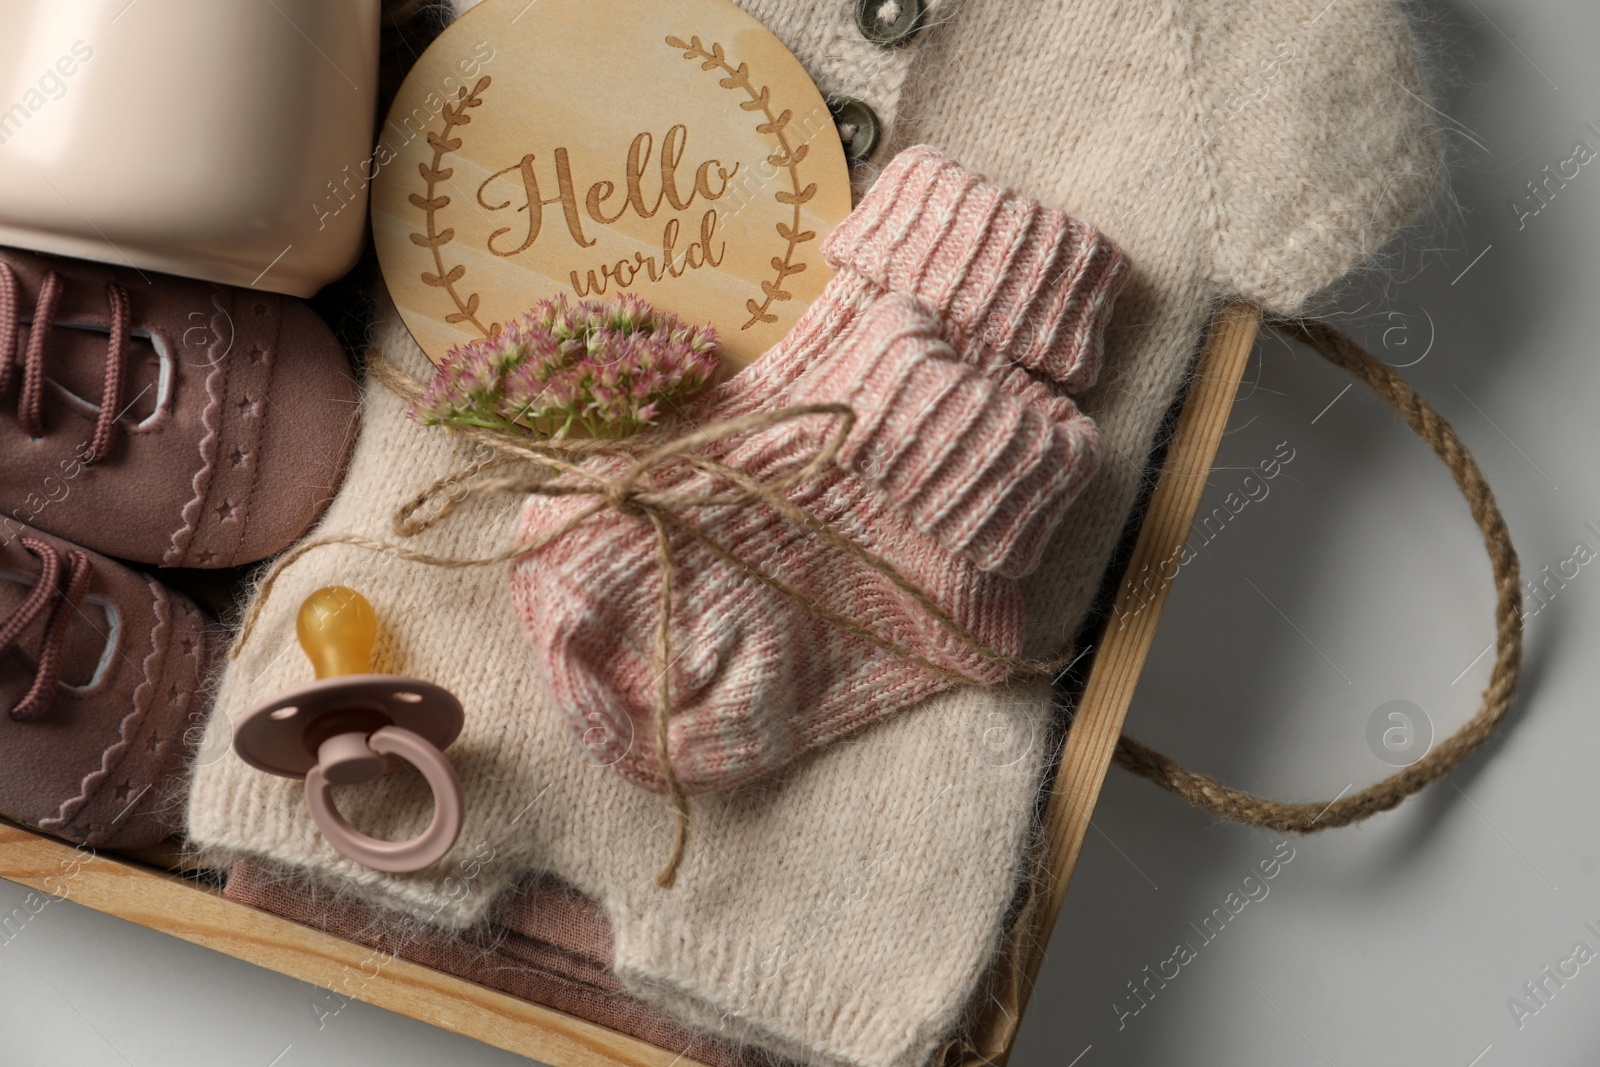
[101, 678]
[165, 420]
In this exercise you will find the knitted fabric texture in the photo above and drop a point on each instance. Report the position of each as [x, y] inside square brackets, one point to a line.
[844, 910]
[953, 479]
[544, 942]
[1016, 283]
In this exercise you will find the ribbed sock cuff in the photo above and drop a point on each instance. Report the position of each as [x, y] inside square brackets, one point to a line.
[1012, 279]
[977, 466]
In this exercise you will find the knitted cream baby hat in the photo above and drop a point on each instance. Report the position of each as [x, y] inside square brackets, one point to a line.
[844, 911]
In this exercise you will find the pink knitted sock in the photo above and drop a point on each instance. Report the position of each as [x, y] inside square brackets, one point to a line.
[757, 679]
[956, 473]
[1024, 293]
[1015, 282]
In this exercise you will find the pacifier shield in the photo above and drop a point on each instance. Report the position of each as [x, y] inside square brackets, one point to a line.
[281, 735]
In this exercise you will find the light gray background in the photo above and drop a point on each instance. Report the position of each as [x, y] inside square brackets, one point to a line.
[1357, 580]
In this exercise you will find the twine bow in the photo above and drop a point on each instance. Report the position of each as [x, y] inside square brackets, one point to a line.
[535, 465]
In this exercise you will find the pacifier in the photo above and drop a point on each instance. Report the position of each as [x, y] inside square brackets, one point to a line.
[352, 726]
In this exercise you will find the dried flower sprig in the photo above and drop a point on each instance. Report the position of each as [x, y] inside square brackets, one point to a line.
[607, 366]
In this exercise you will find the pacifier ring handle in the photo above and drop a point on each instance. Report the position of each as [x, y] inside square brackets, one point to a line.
[350, 726]
[395, 857]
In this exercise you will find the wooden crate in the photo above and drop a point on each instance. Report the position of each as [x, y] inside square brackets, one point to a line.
[198, 913]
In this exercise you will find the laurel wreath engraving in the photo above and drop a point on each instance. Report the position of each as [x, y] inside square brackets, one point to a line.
[788, 157]
[432, 203]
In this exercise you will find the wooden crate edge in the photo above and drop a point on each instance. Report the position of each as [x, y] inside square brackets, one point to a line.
[202, 916]
[1118, 664]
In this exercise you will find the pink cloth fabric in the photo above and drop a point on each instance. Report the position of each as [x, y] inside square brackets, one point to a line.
[1015, 282]
[545, 943]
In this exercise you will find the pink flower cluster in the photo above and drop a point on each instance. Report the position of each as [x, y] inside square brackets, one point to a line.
[606, 366]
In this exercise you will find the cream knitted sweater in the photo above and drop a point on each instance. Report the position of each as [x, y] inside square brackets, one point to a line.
[844, 911]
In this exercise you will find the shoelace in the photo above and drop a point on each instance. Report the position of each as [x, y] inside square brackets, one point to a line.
[56, 603]
[30, 402]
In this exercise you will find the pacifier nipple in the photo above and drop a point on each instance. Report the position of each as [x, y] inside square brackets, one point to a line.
[337, 629]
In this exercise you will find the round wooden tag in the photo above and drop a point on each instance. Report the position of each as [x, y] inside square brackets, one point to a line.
[677, 152]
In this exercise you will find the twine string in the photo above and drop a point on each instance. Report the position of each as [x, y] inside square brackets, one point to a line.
[1207, 793]
[531, 467]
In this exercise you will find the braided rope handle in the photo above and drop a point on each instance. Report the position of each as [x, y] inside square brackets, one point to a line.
[1205, 792]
